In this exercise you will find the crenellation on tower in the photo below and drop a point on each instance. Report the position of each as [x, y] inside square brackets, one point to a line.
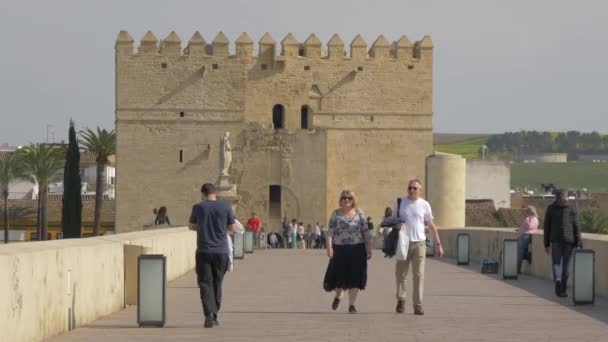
[219, 46]
[423, 49]
[124, 43]
[171, 45]
[380, 48]
[196, 45]
[290, 47]
[335, 47]
[312, 47]
[267, 49]
[244, 48]
[358, 48]
[404, 49]
[148, 44]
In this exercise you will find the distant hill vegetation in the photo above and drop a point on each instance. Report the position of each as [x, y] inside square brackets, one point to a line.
[505, 145]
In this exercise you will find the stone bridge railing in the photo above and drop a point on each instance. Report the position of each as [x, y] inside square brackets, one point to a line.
[50, 287]
[486, 243]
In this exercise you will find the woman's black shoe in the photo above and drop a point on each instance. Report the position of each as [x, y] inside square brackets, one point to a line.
[335, 305]
[351, 309]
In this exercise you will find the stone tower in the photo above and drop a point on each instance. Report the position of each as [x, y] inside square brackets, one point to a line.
[305, 123]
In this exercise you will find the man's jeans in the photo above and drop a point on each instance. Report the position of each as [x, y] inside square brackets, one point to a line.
[524, 242]
[560, 255]
[416, 255]
[210, 270]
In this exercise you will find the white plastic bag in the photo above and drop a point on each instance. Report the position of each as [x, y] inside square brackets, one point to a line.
[402, 245]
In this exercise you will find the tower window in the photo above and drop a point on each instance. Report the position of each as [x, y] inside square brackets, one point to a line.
[278, 117]
[181, 156]
[305, 117]
[182, 114]
[163, 65]
[215, 66]
[307, 67]
[264, 66]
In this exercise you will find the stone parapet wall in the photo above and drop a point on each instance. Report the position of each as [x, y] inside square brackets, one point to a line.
[51, 287]
[486, 243]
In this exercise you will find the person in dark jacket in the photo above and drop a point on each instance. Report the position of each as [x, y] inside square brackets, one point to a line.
[561, 236]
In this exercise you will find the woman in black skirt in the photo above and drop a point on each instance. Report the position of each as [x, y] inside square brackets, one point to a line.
[349, 248]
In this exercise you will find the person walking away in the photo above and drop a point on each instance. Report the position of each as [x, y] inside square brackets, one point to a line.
[212, 219]
[417, 214]
[161, 217]
[301, 235]
[561, 234]
[309, 236]
[317, 236]
[370, 224]
[286, 228]
[323, 237]
[349, 249]
[293, 233]
[528, 227]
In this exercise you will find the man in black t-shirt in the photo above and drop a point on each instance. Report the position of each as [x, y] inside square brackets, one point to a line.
[213, 220]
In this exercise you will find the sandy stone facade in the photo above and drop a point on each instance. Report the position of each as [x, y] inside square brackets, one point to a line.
[305, 123]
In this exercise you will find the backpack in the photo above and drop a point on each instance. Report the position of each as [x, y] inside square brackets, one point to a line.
[389, 247]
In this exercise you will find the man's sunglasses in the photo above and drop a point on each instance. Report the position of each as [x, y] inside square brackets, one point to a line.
[343, 198]
[412, 188]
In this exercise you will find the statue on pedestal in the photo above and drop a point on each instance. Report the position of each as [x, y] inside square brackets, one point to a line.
[225, 154]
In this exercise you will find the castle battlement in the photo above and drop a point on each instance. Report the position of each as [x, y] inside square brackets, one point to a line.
[291, 49]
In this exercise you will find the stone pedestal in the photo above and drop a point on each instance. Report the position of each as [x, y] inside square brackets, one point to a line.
[227, 192]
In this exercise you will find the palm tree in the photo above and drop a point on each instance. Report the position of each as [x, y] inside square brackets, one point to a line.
[10, 170]
[103, 144]
[41, 164]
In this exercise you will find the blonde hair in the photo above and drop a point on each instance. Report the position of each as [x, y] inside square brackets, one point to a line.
[351, 194]
[532, 210]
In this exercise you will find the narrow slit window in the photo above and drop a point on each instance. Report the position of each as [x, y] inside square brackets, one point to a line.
[181, 156]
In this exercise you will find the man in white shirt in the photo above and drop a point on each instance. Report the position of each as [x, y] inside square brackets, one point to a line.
[317, 235]
[416, 212]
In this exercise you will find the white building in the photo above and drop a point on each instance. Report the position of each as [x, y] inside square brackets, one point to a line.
[88, 175]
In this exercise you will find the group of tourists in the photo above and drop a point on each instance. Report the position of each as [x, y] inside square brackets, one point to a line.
[348, 245]
[296, 236]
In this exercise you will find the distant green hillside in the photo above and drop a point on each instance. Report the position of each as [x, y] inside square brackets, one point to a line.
[468, 148]
[572, 175]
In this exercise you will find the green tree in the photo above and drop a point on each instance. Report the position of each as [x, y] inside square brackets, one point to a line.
[41, 164]
[71, 210]
[103, 144]
[10, 171]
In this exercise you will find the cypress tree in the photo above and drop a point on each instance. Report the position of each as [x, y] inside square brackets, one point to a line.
[71, 211]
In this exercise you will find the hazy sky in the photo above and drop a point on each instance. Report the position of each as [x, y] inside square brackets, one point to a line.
[499, 65]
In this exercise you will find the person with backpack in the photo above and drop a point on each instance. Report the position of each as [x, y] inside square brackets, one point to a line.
[417, 214]
[561, 236]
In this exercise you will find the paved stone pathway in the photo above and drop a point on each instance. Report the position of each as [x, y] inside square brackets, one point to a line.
[276, 296]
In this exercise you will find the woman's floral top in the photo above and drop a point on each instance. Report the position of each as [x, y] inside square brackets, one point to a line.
[347, 230]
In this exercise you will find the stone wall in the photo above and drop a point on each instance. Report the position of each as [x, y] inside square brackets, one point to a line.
[51, 287]
[489, 180]
[370, 125]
